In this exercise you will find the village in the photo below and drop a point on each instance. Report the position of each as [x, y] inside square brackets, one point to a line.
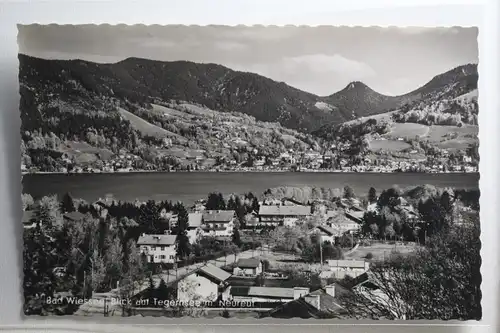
[254, 281]
[309, 161]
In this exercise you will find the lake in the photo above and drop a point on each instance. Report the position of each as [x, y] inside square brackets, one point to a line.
[188, 187]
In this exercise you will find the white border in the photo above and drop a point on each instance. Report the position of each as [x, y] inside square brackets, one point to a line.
[233, 12]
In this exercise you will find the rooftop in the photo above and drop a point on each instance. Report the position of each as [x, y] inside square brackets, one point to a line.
[285, 210]
[327, 230]
[156, 240]
[218, 215]
[194, 219]
[347, 263]
[248, 263]
[273, 292]
[215, 272]
[74, 216]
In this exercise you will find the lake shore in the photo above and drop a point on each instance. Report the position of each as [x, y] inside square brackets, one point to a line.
[191, 186]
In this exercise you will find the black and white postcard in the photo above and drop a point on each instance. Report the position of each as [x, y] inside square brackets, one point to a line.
[250, 172]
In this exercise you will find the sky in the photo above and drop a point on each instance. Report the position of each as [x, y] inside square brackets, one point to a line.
[320, 60]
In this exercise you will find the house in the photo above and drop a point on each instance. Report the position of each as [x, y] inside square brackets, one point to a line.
[73, 217]
[194, 226]
[345, 224]
[352, 268]
[29, 219]
[204, 284]
[254, 294]
[248, 267]
[158, 248]
[355, 216]
[321, 303]
[218, 222]
[326, 233]
[275, 215]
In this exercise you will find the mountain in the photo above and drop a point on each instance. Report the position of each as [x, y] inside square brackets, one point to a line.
[220, 88]
[215, 86]
[363, 101]
[358, 100]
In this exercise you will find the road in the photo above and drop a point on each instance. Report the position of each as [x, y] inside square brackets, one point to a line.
[95, 306]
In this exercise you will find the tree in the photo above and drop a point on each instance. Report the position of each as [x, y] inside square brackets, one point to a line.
[27, 201]
[215, 201]
[182, 244]
[372, 195]
[348, 192]
[441, 281]
[236, 237]
[67, 204]
[162, 292]
[39, 279]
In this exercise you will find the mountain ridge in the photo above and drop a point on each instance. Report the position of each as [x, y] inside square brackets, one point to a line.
[221, 88]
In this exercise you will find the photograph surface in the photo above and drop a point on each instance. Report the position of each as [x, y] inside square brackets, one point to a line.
[250, 172]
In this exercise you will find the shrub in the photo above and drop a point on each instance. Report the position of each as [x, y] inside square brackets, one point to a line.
[369, 255]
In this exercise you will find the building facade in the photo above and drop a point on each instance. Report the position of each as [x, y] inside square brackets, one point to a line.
[158, 248]
[205, 284]
[276, 214]
[218, 223]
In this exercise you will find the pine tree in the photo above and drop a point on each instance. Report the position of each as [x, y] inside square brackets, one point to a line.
[236, 237]
[162, 292]
[67, 204]
[183, 246]
[372, 195]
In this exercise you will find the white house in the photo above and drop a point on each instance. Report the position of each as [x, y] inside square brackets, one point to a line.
[218, 222]
[204, 284]
[158, 248]
[352, 268]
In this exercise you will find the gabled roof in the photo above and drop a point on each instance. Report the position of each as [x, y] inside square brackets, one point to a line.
[74, 216]
[215, 272]
[194, 219]
[156, 240]
[271, 292]
[355, 216]
[285, 210]
[306, 306]
[218, 215]
[248, 263]
[327, 230]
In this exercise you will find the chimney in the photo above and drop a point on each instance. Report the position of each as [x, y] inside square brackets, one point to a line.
[314, 300]
[143, 234]
[330, 290]
[298, 292]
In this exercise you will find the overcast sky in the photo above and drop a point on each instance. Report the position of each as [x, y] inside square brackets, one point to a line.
[320, 60]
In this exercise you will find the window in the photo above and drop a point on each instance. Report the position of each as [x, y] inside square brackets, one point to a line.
[162, 256]
[171, 257]
[162, 248]
[153, 248]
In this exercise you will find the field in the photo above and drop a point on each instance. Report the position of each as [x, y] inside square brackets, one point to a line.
[445, 137]
[85, 153]
[465, 136]
[380, 251]
[408, 130]
[147, 128]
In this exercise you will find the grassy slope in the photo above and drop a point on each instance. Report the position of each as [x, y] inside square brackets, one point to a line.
[147, 128]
